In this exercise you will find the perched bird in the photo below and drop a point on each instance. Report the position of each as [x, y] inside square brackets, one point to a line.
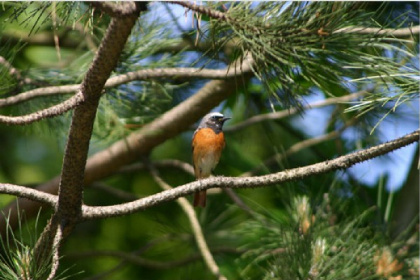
[207, 144]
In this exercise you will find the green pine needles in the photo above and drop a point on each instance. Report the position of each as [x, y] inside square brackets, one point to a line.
[315, 243]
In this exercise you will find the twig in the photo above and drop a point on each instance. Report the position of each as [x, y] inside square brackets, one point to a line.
[123, 195]
[294, 110]
[300, 146]
[342, 162]
[164, 163]
[195, 225]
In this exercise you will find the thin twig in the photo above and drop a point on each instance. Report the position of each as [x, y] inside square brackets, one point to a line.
[289, 112]
[300, 146]
[339, 163]
[195, 225]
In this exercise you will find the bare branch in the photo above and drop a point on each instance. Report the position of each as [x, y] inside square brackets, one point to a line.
[251, 182]
[195, 225]
[293, 110]
[52, 111]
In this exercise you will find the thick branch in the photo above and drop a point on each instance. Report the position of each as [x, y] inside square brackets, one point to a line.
[251, 182]
[70, 193]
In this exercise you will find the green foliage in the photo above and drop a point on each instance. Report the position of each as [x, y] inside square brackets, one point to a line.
[315, 243]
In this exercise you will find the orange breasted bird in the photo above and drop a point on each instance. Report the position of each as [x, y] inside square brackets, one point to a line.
[207, 144]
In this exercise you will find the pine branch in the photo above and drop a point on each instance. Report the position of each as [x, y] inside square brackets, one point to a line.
[140, 75]
[342, 162]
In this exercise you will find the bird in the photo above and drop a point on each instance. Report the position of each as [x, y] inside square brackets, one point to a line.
[208, 142]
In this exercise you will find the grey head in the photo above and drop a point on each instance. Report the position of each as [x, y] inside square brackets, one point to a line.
[214, 121]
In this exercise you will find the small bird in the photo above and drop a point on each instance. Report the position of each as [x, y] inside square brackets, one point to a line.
[207, 144]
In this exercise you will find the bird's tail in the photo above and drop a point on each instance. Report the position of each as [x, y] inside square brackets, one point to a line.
[200, 199]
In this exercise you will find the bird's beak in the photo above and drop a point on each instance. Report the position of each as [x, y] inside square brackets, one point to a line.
[225, 119]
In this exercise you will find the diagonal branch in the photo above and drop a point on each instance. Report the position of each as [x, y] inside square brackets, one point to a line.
[342, 162]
